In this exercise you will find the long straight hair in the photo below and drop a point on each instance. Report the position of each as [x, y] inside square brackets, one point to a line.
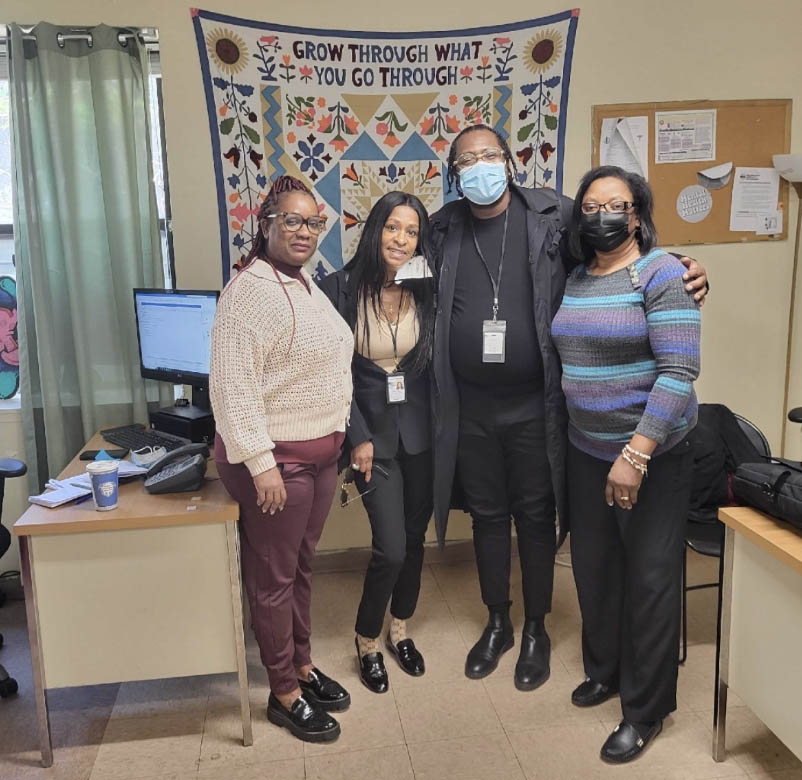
[367, 275]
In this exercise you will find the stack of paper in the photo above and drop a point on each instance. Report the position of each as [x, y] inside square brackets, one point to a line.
[62, 491]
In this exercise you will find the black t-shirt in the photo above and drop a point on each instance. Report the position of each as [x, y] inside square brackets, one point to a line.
[473, 303]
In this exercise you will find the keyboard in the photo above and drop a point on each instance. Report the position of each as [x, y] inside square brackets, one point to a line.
[135, 437]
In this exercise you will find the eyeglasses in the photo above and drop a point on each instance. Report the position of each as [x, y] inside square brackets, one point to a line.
[349, 480]
[467, 159]
[293, 222]
[611, 207]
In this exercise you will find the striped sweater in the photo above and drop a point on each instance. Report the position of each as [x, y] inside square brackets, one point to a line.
[629, 344]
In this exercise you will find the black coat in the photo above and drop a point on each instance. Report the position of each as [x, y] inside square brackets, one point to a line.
[372, 418]
[547, 217]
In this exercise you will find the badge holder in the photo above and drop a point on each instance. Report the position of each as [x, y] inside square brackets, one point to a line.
[396, 388]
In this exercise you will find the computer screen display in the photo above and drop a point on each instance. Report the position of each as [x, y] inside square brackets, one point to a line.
[174, 331]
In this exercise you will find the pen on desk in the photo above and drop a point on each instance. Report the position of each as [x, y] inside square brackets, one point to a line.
[84, 498]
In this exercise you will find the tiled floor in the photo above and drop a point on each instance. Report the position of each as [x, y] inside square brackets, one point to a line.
[437, 727]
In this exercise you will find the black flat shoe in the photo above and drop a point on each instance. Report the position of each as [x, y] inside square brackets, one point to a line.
[321, 691]
[409, 657]
[303, 720]
[372, 671]
[533, 669]
[626, 743]
[496, 639]
[590, 693]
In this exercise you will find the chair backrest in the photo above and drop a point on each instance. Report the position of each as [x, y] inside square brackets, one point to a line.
[755, 435]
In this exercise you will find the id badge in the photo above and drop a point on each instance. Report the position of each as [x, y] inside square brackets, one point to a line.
[396, 389]
[494, 335]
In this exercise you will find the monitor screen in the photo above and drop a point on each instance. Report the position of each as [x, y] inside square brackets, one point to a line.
[174, 331]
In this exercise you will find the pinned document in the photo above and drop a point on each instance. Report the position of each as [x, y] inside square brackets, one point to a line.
[625, 142]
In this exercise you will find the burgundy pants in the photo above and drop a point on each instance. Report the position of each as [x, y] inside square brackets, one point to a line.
[277, 552]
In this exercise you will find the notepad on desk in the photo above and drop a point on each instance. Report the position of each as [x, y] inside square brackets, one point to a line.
[62, 491]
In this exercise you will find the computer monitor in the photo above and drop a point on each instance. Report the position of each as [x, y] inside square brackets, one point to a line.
[174, 331]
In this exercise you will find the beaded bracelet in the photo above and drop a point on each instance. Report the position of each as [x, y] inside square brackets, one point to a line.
[633, 451]
[641, 467]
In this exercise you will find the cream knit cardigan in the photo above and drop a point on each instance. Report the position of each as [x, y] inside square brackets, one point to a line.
[264, 388]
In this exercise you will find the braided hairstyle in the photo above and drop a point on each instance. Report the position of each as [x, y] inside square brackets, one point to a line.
[280, 186]
[452, 175]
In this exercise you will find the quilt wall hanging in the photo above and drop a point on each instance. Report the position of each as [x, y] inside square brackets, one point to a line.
[356, 114]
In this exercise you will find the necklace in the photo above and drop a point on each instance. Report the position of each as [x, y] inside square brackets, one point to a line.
[390, 309]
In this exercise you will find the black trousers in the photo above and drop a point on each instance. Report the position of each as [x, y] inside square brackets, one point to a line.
[628, 571]
[399, 509]
[504, 470]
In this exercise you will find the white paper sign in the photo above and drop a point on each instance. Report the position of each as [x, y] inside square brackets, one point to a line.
[685, 136]
[625, 142]
[754, 193]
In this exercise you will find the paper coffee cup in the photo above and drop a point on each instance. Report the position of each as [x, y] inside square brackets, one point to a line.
[104, 476]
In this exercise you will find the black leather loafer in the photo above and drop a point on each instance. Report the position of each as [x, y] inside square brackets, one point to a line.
[626, 743]
[533, 668]
[409, 657]
[496, 639]
[324, 692]
[303, 720]
[590, 693]
[372, 671]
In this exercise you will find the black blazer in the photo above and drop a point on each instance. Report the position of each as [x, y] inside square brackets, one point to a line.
[372, 418]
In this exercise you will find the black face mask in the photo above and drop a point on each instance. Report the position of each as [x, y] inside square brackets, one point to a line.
[604, 232]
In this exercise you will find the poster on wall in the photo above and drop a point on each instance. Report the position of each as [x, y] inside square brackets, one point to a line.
[356, 114]
[685, 136]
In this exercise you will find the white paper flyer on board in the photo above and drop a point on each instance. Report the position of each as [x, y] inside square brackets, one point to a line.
[685, 136]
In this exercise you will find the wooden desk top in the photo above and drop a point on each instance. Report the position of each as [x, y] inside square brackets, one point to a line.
[776, 537]
[136, 508]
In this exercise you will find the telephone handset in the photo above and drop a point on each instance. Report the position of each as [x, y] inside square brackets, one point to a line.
[180, 470]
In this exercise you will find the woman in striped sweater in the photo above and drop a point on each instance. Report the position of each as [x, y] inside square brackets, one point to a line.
[628, 337]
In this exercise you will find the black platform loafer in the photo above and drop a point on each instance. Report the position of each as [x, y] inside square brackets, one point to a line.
[408, 656]
[303, 720]
[324, 692]
[591, 693]
[626, 743]
[496, 639]
[372, 671]
[533, 669]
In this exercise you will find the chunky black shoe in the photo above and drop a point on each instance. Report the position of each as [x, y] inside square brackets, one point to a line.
[372, 671]
[496, 639]
[532, 669]
[626, 742]
[303, 720]
[409, 657]
[324, 692]
[591, 693]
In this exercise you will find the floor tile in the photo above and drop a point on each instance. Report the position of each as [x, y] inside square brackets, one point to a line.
[387, 763]
[287, 769]
[175, 695]
[468, 758]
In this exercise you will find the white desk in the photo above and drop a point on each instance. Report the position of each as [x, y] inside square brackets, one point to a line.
[149, 590]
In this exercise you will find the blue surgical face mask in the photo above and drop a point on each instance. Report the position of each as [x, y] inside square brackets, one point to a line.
[484, 183]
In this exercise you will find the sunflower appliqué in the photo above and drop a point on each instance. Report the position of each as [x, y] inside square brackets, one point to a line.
[228, 51]
[543, 50]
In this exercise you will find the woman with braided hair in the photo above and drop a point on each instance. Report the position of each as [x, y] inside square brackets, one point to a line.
[281, 390]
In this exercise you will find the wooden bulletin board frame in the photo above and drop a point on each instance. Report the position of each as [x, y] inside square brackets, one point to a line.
[748, 133]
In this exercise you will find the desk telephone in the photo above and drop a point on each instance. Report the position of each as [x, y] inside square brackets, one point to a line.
[181, 470]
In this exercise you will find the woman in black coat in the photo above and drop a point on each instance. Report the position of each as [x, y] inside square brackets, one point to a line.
[388, 437]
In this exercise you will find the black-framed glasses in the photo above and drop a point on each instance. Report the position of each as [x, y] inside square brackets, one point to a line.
[293, 222]
[491, 155]
[348, 479]
[611, 207]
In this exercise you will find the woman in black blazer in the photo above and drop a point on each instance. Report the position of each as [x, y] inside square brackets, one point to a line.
[389, 433]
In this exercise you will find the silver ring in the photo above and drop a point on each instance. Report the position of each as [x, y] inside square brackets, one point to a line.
[354, 465]
[625, 498]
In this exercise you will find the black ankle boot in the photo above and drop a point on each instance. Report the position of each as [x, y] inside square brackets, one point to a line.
[532, 669]
[496, 639]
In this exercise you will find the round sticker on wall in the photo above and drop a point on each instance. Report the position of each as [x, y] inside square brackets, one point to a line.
[694, 203]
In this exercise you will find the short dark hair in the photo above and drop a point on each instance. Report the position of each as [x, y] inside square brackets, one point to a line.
[646, 233]
[452, 176]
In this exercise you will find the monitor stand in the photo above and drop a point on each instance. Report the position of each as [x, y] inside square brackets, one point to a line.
[192, 421]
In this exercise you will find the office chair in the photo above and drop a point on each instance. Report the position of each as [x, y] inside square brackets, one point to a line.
[706, 537]
[9, 467]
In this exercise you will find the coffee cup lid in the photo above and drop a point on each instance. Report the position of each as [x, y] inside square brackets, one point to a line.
[102, 466]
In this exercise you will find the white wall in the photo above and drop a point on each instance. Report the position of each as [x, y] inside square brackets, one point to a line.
[626, 51]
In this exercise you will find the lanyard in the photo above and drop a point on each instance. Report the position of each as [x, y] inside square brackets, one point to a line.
[394, 333]
[495, 283]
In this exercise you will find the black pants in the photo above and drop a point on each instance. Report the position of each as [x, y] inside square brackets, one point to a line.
[628, 572]
[504, 471]
[399, 509]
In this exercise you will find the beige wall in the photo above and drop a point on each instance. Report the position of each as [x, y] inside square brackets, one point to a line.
[626, 51]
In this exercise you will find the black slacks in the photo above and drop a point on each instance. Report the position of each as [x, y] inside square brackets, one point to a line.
[504, 470]
[628, 571]
[399, 508]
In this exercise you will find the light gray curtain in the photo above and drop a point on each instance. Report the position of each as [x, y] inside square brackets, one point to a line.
[86, 231]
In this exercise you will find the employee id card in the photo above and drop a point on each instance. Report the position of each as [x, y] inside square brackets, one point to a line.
[396, 388]
[494, 335]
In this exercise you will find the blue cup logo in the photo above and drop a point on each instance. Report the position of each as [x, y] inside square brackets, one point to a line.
[105, 484]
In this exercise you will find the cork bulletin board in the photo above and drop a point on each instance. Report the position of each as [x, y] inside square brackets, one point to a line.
[747, 133]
